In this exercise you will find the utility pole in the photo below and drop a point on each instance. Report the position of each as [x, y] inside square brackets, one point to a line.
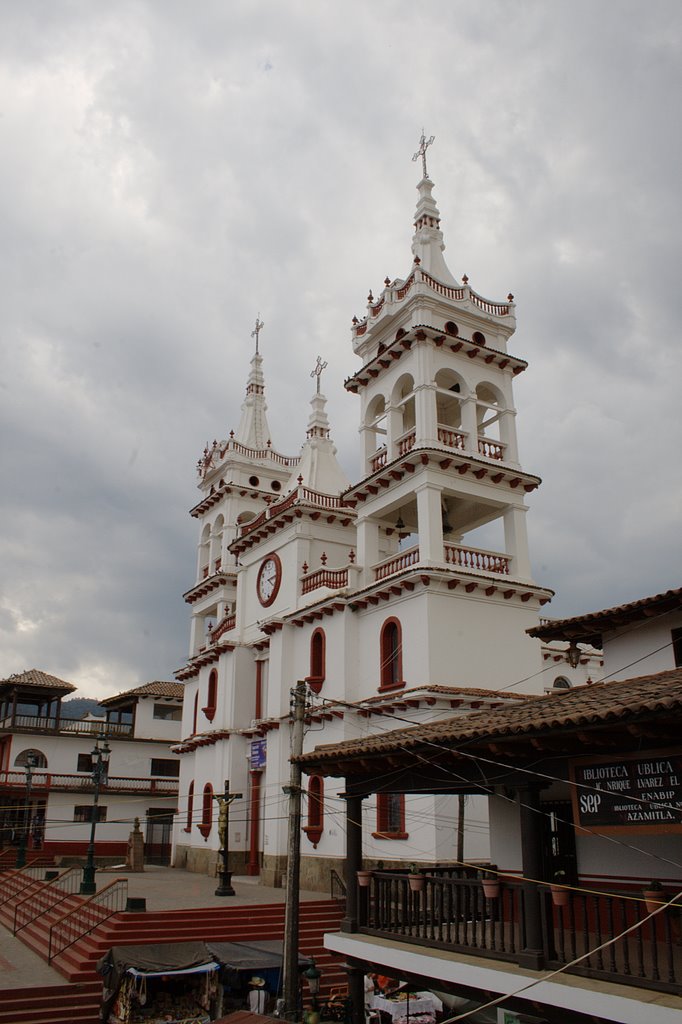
[293, 790]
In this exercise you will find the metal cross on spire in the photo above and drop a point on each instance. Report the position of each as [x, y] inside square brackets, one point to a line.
[424, 144]
[257, 329]
[317, 371]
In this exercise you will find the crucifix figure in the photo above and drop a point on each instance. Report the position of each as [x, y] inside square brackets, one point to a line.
[225, 888]
[257, 329]
[317, 371]
[424, 144]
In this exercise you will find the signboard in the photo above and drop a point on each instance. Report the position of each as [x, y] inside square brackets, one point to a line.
[258, 753]
[638, 792]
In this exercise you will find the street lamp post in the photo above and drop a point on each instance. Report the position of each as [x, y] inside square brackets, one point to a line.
[312, 975]
[100, 767]
[31, 761]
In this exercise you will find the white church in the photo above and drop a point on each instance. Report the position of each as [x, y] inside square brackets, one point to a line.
[404, 596]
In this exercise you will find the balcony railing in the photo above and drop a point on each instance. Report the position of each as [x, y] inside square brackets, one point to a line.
[114, 784]
[477, 558]
[453, 554]
[453, 914]
[335, 579]
[38, 723]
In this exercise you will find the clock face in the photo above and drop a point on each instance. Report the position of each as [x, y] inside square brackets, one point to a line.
[269, 579]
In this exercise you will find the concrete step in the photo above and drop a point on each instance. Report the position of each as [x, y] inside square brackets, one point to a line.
[59, 1003]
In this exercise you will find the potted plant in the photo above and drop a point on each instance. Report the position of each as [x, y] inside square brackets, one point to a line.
[415, 879]
[653, 896]
[560, 894]
[364, 877]
[490, 880]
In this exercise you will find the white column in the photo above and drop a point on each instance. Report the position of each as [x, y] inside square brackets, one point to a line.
[394, 428]
[516, 540]
[430, 524]
[508, 435]
[469, 424]
[368, 548]
[426, 413]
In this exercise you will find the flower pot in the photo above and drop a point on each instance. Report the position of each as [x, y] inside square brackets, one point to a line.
[416, 882]
[560, 896]
[653, 899]
[364, 878]
[491, 888]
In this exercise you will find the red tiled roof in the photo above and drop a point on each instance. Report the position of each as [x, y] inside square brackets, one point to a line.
[588, 629]
[158, 688]
[582, 707]
[33, 677]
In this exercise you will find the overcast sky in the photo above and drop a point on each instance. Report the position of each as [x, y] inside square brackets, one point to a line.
[170, 169]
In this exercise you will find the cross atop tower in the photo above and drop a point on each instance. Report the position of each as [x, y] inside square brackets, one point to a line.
[317, 371]
[424, 144]
[257, 329]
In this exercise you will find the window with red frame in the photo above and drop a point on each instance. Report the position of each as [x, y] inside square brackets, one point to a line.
[390, 816]
[196, 711]
[391, 650]
[318, 646]
[212, 696]
[190, 807]
[206, 811]
[315, 825]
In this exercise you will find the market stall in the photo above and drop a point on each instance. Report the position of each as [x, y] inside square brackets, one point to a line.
[186, 982]
[162, 983]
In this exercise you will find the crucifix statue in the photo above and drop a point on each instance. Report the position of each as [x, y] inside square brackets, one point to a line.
[317, 371]
[225, 888]
[424, 144]
[257, 329]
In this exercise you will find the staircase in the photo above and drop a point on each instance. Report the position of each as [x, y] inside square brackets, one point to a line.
[79, 1001]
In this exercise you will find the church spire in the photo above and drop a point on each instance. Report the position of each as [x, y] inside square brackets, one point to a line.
[427, 243]
[319, 469]
[254, 431]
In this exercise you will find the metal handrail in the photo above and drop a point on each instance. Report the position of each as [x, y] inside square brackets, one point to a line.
[71, 876]
[30, 871]
[336, 882]
[68, 926]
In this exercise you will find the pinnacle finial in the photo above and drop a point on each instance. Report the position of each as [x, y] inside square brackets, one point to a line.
[424, 144]
[257, 329]
[317, 371]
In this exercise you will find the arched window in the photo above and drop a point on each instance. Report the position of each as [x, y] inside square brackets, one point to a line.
[39, 759]
[318, 645]
[315, 826]
[391, 653]
[190, 807]
[206, 811]
[390, 816]
[561, 683]
[212, 695]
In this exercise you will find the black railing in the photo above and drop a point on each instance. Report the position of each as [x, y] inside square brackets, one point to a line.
[444, 910]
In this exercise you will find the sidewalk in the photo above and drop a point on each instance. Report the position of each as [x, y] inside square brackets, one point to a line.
[163, 889]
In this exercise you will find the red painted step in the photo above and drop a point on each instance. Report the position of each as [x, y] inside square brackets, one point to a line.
[57, 1004]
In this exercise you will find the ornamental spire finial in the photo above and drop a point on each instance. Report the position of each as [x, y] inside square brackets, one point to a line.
[317, 371]
[257, 329]
[424, 144]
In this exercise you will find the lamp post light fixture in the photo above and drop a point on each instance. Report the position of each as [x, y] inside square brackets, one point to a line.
[573, 654]
[100, 768]
[31, 762]
[312, 975]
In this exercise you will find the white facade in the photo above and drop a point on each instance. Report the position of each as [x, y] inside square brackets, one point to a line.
[142, 777]
[376, 591]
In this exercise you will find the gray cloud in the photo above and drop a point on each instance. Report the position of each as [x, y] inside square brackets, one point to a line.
[170, 170]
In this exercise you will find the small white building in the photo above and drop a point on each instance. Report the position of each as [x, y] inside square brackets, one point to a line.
[139, 727]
